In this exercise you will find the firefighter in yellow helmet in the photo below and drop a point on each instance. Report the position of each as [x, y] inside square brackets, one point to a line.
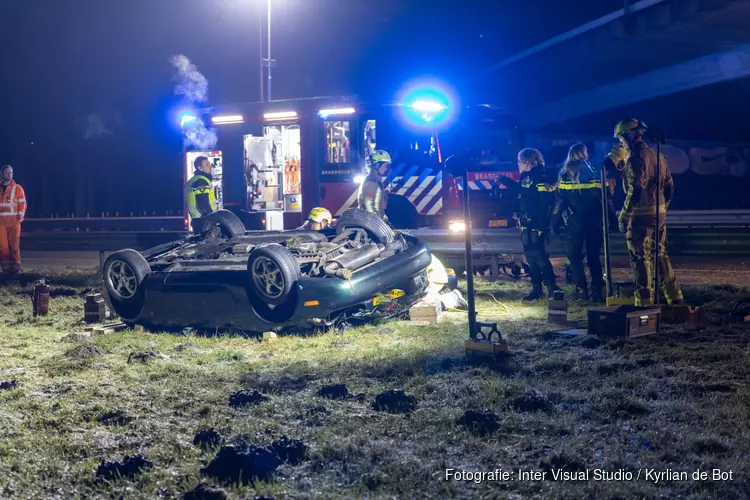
[638, 216]
[319, 219]
[372, 196]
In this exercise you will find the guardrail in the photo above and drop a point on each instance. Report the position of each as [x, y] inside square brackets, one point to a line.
[675, 219]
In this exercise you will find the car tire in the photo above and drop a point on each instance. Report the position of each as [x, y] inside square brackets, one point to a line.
[124, 273]
[274, 273]
[377, 228]
[230, 225]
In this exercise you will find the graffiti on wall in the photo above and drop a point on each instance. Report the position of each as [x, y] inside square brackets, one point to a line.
[682, 157]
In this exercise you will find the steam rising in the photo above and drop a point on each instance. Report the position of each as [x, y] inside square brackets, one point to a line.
[194, 87]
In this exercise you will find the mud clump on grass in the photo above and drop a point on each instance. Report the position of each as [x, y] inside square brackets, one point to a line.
[77, 337]
[242, 464]
[394, 402]
[531, 401]
[204, 491]
[704, 446]
[116, 417]
[291, 451]
[130, 466]
[207, 438]
[246, 398]
[9, 385]
[143, 357]
[480, 422]
[338, 391]
[84, 351]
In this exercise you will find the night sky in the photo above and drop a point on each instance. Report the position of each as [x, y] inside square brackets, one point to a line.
[78, 68]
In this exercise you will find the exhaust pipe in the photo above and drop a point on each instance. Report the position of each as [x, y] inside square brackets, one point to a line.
[353, 259]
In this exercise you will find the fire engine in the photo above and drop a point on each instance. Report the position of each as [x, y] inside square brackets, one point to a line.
[275, 161]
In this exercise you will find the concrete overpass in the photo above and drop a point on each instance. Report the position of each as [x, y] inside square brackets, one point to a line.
[681, 65]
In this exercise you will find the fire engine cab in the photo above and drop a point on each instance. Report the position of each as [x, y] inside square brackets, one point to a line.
[275, 161]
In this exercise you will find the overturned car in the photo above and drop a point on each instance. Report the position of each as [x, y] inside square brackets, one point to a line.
[255, 281]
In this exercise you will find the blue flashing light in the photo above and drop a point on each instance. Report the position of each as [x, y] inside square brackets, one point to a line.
[428, 104]
[187, 118]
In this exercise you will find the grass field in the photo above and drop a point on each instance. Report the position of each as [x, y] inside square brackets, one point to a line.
[676, 402]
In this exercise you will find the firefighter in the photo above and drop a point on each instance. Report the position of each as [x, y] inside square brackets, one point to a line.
[579, 191]
[535, 191]
[319, 219]
[201, 198]
[372, 195]
[638, 216]
[12, 213]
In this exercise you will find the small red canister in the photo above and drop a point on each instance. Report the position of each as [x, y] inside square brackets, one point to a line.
[40, 298]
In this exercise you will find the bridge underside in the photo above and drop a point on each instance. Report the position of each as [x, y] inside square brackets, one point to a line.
[650, 64]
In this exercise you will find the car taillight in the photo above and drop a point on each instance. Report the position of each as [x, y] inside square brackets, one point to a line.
[452, 198]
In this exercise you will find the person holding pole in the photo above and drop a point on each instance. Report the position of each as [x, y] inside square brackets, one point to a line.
[649, 190]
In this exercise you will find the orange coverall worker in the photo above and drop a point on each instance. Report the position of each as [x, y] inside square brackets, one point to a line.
[12, 212]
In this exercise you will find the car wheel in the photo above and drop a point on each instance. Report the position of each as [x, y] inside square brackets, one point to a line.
[274, 273]
[377, 228]
[124, 273]
[230, 224]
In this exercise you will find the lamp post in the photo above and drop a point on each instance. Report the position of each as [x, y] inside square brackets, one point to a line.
[266, 62]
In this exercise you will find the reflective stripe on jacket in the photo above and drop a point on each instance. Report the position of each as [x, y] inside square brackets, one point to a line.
[640, 181]
[12, 204]
[199, 186]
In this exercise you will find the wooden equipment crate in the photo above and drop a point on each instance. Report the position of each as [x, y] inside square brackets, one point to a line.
[624, 321]
[427, 310]
[95, 309]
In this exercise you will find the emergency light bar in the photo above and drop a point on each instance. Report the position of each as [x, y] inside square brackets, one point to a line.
[336, 111]
[281, 115]
[229, 119]
[186, 119]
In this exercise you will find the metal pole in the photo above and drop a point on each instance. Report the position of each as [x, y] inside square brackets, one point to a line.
[657, 231]
[269, 50]
[605, 225]
[260, 50]
[469, 261]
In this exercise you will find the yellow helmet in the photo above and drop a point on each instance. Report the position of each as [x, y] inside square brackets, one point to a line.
[380, 156]
[629, 126]
[320, 214]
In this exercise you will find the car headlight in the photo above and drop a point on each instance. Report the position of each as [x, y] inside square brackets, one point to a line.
[457, 226]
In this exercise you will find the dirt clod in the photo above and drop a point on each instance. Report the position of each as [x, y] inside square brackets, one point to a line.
[207, 438]
[531, 401]
[242, 464]
[116, 417]
[704, 446]
[560, 461]
[394, 402]
[246, 398]
[480, 422]
[645, 362]
[143, 357]
[288, 450]
[77, 337]
[204, 491]
[336, 391]
[84, 351]
[591, 342]
[9, 385]
[130, 466]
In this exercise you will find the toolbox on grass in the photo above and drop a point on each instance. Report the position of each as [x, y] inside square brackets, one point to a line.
[624, 321]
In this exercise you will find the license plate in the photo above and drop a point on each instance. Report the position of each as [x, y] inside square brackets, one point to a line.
[499, 223]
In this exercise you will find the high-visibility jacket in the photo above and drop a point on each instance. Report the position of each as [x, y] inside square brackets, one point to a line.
[200, 195]
[579, 190]
[13, 205]
[640, 179]
[535, 191]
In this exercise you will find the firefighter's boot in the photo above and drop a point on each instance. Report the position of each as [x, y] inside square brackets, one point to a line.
[536, 293]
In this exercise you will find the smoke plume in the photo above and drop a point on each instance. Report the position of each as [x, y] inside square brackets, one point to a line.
[191, 84]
